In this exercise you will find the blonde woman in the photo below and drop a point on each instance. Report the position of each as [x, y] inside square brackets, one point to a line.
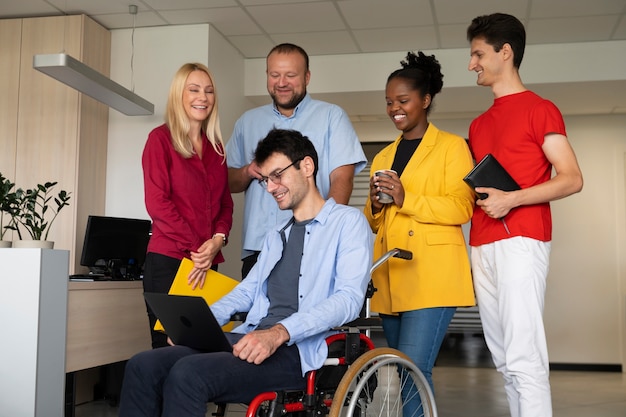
[186, 186]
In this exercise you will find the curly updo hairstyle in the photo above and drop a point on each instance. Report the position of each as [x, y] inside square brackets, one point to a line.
[423, 72]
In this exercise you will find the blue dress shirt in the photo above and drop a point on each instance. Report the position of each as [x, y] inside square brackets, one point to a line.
[335, 141]
[334, 275]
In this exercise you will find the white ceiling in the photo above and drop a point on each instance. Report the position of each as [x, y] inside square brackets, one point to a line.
[325, 27]
[328, 27]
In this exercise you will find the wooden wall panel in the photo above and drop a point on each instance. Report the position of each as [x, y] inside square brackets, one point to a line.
[48, 117]
[58, 134]
[93, 130]
[10, 33]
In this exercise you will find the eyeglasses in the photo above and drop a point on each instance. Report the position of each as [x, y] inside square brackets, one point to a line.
[275, 176]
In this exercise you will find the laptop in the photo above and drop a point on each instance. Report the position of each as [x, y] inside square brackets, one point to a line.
[188, 321]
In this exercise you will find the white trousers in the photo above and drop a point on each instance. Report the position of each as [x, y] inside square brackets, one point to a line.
[510, 282]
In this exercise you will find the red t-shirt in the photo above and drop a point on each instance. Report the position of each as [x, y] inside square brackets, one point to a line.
[187, 199]
[513, 130]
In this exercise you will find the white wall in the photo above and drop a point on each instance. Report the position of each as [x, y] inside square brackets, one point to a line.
[585, 312]
[542, 64]
[227, 67]
[586, 294]
[159, 52]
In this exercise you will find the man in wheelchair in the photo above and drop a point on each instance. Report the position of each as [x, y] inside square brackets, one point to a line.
[311, 276]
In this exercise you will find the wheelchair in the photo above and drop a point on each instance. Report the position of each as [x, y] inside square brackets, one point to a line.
[356, 380]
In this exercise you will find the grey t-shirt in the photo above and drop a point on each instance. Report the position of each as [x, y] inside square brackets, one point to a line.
[282, 284]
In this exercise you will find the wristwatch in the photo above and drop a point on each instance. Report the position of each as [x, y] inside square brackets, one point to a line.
[224, 238]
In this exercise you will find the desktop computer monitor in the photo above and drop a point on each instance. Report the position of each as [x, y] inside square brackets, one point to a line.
[115, 246]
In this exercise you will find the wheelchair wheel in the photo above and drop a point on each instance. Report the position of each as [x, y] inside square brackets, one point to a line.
[383, 382]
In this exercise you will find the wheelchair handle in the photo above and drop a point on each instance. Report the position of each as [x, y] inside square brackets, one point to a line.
[393, 253]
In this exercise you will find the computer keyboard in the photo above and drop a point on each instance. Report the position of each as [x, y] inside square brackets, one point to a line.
[89, 277]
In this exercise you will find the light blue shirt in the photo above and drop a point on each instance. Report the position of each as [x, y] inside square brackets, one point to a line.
[335, 267]
[335, 141]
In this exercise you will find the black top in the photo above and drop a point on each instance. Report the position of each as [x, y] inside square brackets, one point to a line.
[406, 149]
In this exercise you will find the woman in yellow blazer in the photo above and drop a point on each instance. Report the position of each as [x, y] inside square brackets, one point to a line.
[417, 299]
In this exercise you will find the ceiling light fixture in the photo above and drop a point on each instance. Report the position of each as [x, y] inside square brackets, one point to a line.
[85, 79]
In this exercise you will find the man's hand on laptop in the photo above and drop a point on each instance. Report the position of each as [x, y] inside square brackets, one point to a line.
[259, 345]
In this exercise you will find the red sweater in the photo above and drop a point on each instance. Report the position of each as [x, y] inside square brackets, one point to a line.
[187, 199]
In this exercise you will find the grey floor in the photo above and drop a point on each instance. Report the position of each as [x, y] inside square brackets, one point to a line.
[466, 384]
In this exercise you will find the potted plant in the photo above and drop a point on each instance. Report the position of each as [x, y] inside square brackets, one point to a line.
[7, 209]
[35, 212]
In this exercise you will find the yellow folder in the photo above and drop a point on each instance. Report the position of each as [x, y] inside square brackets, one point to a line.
[216, 285]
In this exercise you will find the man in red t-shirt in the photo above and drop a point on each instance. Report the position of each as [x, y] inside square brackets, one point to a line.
[510, 260]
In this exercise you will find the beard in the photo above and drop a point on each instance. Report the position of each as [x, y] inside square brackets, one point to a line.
[289, 104]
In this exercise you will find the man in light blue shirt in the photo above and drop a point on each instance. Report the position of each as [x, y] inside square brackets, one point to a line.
[326, 125]
[311, 276]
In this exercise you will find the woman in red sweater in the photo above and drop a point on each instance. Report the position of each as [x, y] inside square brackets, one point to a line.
[186, 186]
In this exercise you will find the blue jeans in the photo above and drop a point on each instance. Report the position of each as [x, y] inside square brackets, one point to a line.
[418, 334]
[179, 381]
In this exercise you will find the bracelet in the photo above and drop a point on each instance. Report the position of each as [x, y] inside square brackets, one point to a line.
[223, 236]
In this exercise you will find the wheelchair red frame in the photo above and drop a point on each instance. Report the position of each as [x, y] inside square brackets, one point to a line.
[309, 401]
[317, 400]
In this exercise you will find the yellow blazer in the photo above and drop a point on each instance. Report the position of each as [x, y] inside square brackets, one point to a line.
[436, 203]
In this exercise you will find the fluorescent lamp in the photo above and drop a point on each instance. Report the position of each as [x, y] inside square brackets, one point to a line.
[85, 79]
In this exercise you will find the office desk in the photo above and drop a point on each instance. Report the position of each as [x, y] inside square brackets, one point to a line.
[106, 323]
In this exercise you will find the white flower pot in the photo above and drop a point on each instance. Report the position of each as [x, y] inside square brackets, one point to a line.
[5, 244]
[33, 244]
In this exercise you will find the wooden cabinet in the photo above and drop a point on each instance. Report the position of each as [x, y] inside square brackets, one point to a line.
[107, 322]
[50, 132]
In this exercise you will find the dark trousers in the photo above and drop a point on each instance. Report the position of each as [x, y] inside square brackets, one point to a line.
[179, 381]
[159, 273]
